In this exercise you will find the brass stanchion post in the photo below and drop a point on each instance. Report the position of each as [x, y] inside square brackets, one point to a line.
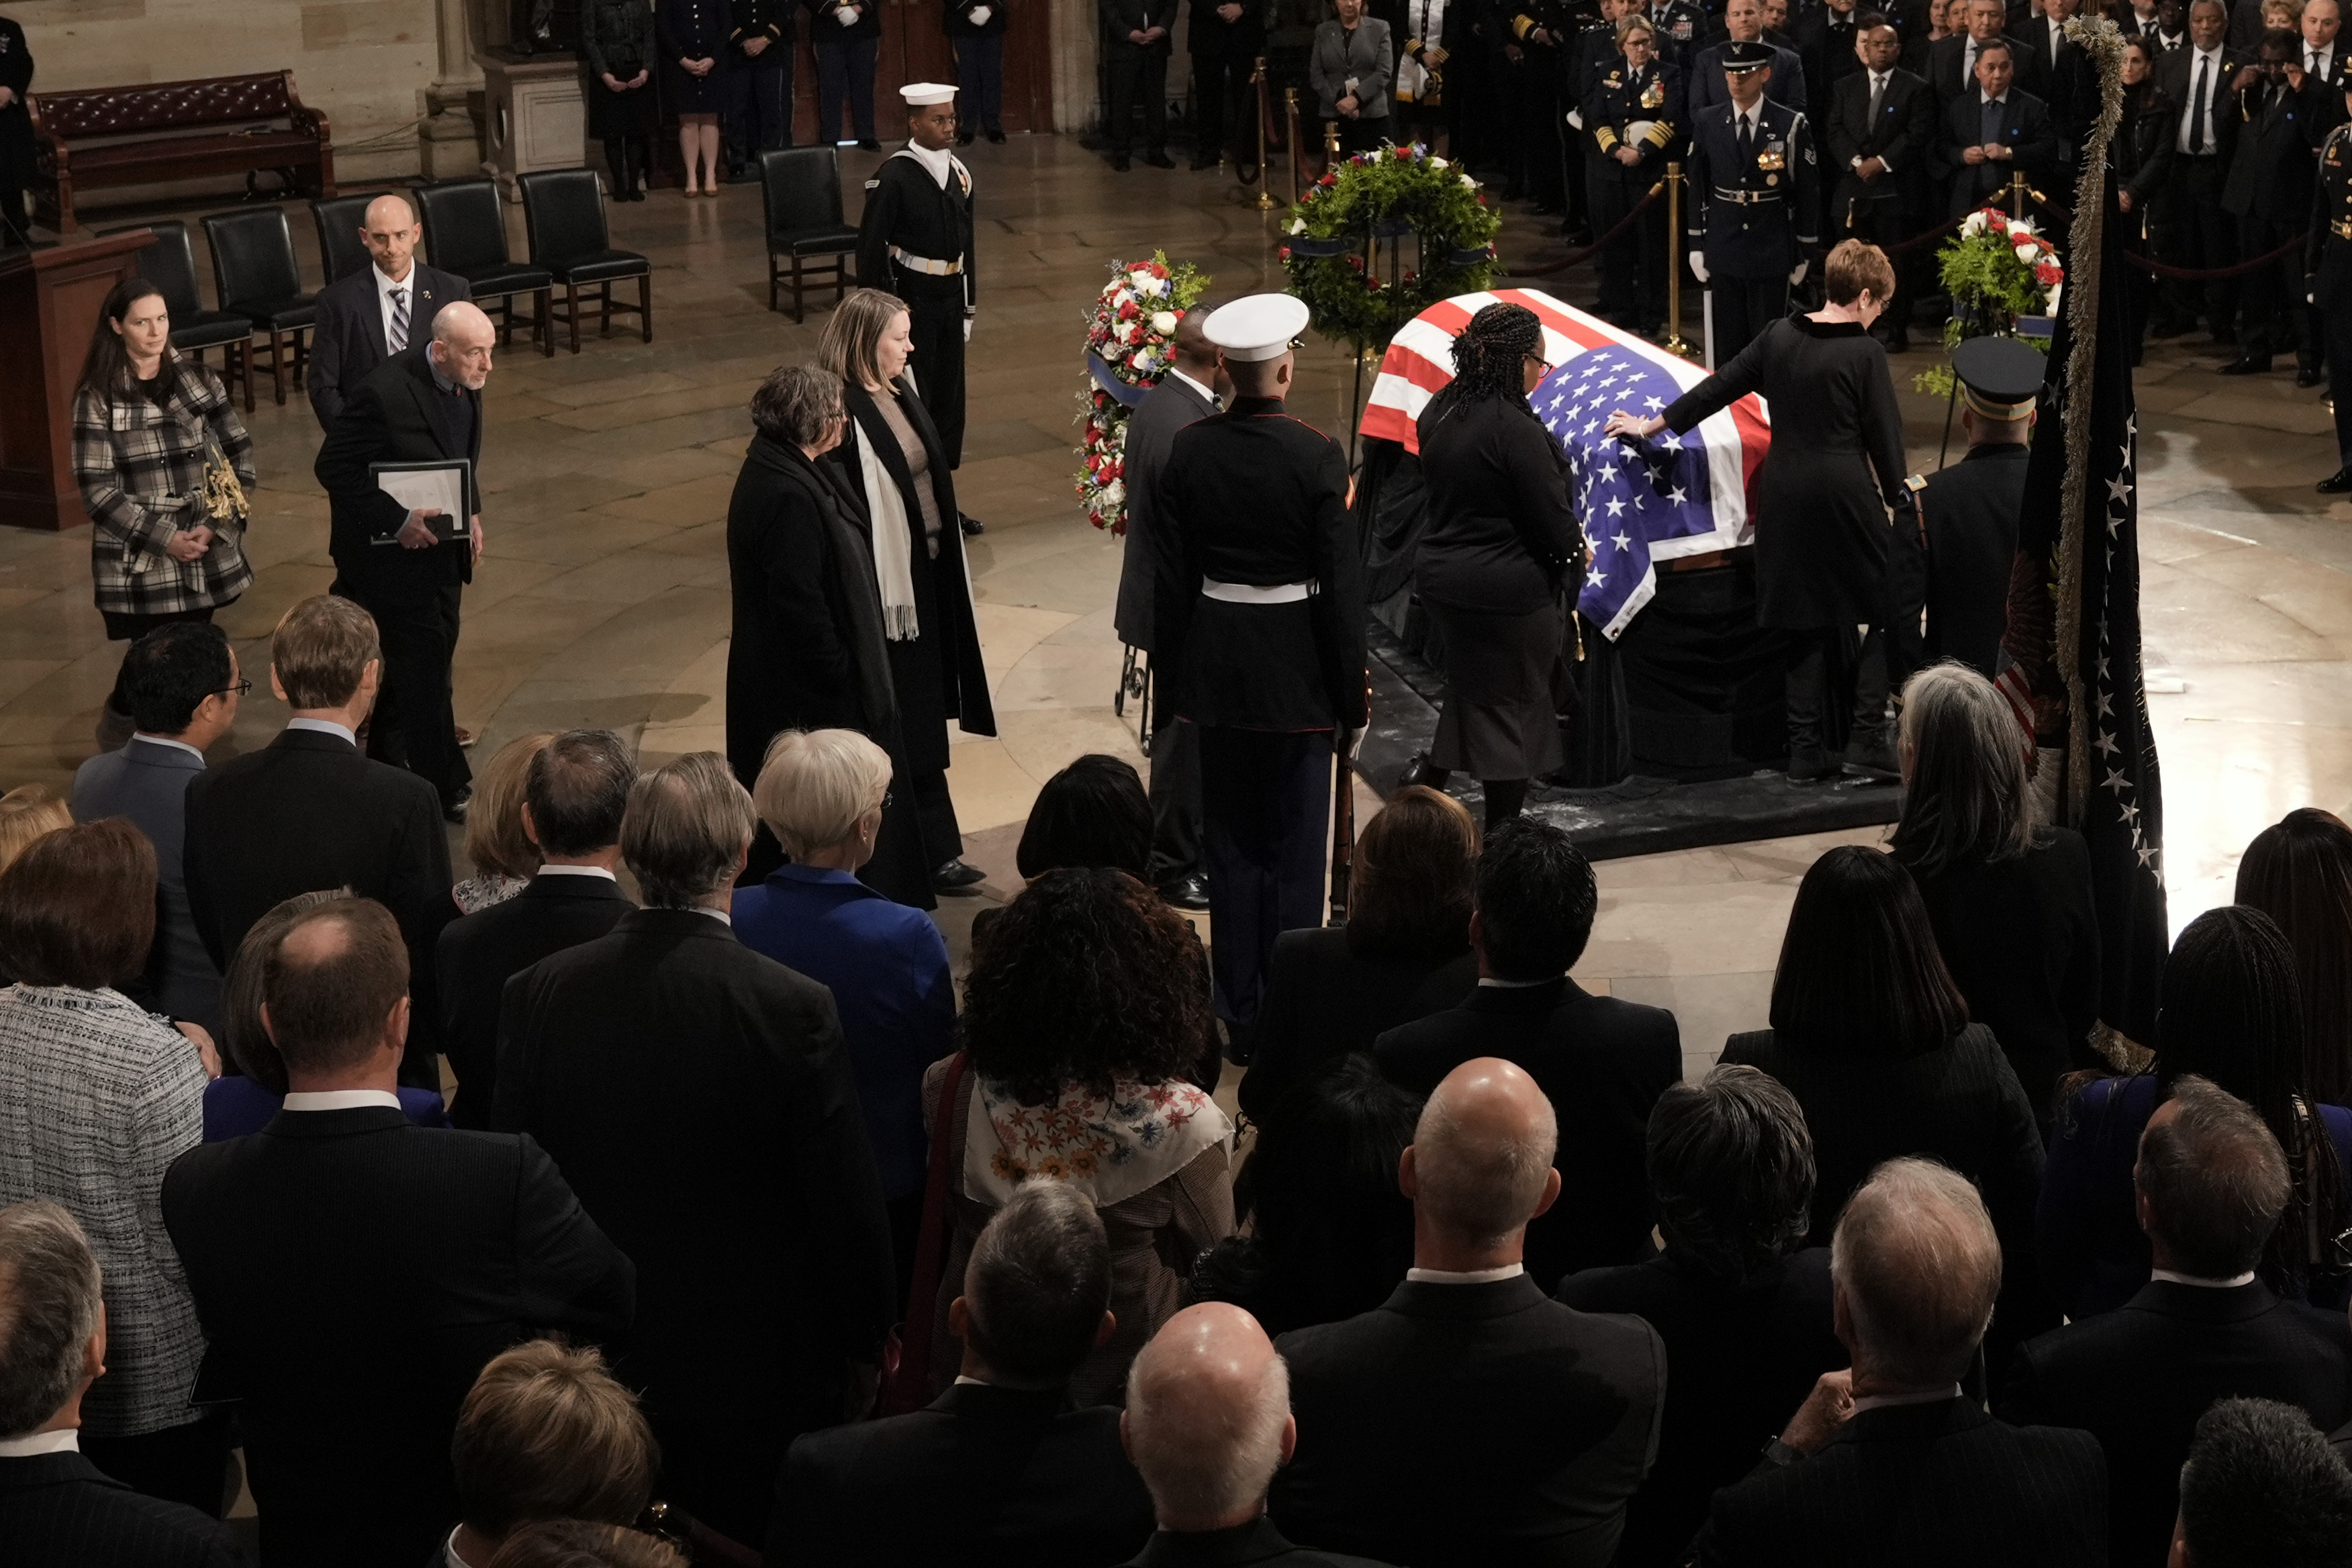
[1290, 139]
[1673, 344]
[1330, 144]
[2017, 194]
[1265, 203]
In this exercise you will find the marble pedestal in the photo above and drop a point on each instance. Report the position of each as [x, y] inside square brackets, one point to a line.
[534, 117]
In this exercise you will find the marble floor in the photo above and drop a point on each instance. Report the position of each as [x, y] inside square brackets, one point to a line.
[602, 596]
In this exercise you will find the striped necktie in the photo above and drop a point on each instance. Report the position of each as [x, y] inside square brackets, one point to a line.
[399, 319]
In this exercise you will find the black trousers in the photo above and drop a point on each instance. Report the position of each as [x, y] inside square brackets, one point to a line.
[184, 1463]
[759, 110]
[980, 82]
[1136, 73]
[1265, 802]
[935, 323]
[1535, 108]
[845, 70]
[122, 627]
[1175, 801]
[1225, 106]
[1819, 690]
[1743, 307]
[17, 228]
[2336, 312]
[935, 809]
[414, 724]
[2270, 297]
[2201, 235]
[1882, 224]
[1633, 266]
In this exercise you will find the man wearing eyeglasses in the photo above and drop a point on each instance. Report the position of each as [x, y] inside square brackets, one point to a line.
[182, 683]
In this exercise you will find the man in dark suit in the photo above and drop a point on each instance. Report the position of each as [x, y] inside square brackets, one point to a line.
[1743, 21]
[1020, 1477]
[1993, 131]
[308, 813]
[1880, 125]
[1189, 393]
[373, 314]
[409, 565]
[1135, 59]
[56, 1506]
[1825, 35]
[1952, 62]
[2284, 114]
[744, 1188]
[2262, 1486]
[2065, 73]
[183, 685]
[1208, 1422]
[353, 1272]
[1604, 1062]
[573, 801]
[1890, 1462]
[1470, 1419]
[2193, 230]
[2211, 1185]
[1225, 37]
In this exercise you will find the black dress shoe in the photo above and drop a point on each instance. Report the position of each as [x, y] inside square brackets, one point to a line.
[2309, 378]
[953, 877]
[1814, 767]
[963, 138]
[2337, 484]
[454, 807]
[868, 144]
[2247, 367]
[1187, 892]
[1248, 172]
[971, 526]
[1422, 771]
[746, 175]
[1159, 159]
[1120, 163]
[996, 134]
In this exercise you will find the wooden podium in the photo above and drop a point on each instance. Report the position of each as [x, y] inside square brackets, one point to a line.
[49, 301]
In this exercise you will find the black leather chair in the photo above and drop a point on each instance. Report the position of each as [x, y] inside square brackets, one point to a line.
[802, 187]
[465, 233]
[564, 212]
[342, 252]
[169, 264]
[257, 277]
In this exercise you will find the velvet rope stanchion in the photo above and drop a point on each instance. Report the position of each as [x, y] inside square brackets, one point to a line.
[1575, 258]
[2208, 273]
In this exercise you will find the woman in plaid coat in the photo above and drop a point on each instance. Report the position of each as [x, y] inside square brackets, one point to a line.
[162, 461]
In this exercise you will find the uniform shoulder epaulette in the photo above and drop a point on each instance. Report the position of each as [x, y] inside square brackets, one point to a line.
[874, 184]
[1916, 483]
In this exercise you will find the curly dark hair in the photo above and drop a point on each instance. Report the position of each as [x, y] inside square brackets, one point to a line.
[1731, 1165]
[1085, 978]
[1488, 352]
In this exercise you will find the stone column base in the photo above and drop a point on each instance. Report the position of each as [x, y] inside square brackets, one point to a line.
[533, 116]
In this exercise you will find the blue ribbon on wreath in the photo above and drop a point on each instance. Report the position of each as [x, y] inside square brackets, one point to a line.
[1318, 249]
[1128, 394]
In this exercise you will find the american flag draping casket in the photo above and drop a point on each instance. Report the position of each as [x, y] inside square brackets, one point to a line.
[1671, 497]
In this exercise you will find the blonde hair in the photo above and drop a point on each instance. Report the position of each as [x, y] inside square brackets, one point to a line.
[321, 649]
[495, 839]
[855, 326]
[1628, 25]
[1856, 266]
[816, 785]
[546, 1432]
[27, 812]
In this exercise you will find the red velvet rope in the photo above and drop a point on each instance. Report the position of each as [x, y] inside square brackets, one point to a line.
[1561, 264]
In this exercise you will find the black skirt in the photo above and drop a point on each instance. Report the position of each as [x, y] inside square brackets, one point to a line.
[1500, 719]
[636, 112]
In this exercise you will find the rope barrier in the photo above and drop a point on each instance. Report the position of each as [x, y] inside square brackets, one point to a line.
[2208, 273]
[1575, 258]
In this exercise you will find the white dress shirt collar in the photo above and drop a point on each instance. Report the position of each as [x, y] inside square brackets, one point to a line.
[449, 1558]
[1892, 1401]
[323, 727]
[577, 871]
[65, 1441]
[1207, 395]
[720, 915]
[167, 740]
[2200, 1282]
[1468, 1277]
[339, 1099]
[1492, 984]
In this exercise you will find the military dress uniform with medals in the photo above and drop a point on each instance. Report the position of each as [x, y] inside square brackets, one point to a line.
[2327, 284]
[1752, 181]
[1640, 110]
[1258, 623]
[1681, 26]
[916, 241]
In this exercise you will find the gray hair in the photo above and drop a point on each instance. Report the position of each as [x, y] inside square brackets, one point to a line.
[2215, 1179]
[1964, 773]
[795, 404]
[1201, 1459]
[686, 823]
[2261, 1489]
[49, 1307]
[1477, 1189]
[817, 785]
[1917, 1257]
[1038, 1284]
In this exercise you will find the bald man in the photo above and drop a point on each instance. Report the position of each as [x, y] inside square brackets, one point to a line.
[408, 566]
[368, 315]
[1208, 1422]
[1471, 1419]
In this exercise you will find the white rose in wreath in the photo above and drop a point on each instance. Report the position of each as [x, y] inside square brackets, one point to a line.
[1163, 322]
[1974, 226]
[1115, 492]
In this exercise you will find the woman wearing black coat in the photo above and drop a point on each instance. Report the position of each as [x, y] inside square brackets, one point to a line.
[1501, 536]
[807, 650]
[891, 458]
[2142, 151]
[618, 48]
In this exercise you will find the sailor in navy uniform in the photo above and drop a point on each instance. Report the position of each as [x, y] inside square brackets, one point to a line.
[915, 240]
[1631, 115]
[1754, 201]
[1954, 534]
[1259, 621]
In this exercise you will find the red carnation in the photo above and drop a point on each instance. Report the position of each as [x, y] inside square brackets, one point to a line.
[1127, 311]
[1371, 286]
[2047, 274]
[1283, 254]
[1328, 180]
[1404, 154]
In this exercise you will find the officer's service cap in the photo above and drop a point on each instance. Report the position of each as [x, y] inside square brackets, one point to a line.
[1751, 57]
[1258, 326]
[920, 93]
[2000, 376]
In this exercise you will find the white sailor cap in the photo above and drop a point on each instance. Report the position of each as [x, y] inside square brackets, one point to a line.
[919, 93]
[1258, 326]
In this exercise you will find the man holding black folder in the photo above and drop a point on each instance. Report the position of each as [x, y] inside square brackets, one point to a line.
[408, 564]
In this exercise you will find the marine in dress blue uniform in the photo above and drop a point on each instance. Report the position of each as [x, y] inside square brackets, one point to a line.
[1752, 180]
[1258, 621]
[915, 240]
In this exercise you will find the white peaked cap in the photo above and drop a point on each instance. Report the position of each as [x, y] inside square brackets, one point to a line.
[918, 93]
[1257, 327]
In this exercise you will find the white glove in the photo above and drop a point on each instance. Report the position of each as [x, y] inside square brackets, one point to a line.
[967, 329]
[845, 16]
[1351, 741]
[1698, 264]
[1575, 117]
[981, 13]
[1798, 276]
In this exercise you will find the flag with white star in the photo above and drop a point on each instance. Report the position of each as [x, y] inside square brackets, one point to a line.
[1669, 498]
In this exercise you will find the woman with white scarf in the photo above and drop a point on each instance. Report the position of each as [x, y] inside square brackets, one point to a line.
[890, 454]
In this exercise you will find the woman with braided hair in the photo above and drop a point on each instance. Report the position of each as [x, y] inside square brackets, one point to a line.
[1502, 538]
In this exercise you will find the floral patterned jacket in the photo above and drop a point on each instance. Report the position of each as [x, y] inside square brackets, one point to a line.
[141, 472]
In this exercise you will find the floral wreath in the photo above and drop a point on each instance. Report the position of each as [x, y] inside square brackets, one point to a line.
[1372, 203]
[1129, 350]
[2000, 274]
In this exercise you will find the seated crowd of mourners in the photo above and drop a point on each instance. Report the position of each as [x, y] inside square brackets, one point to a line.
[752, 1232]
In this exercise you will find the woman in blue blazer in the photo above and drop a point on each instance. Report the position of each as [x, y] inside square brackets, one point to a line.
[821, 792]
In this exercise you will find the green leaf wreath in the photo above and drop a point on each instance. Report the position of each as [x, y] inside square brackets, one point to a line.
[1996, 269]
[1402, 210]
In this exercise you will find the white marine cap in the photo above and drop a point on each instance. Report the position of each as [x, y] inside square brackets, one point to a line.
[1258, 326]
[919, 93]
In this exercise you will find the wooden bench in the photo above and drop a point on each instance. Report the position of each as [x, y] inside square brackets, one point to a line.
[174, 131]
